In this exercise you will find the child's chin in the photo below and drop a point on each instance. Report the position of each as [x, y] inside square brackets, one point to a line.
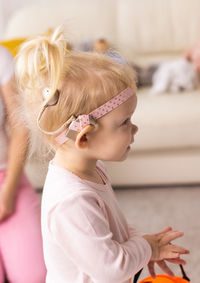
[120, 158]
[124, 157]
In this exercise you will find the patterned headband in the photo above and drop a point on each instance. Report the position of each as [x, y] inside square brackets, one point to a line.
[77, 124]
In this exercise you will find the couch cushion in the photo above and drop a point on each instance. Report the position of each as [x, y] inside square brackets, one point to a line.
[157, 25]
[167, 120]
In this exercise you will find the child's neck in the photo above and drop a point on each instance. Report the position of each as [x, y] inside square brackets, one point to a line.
[83, 167]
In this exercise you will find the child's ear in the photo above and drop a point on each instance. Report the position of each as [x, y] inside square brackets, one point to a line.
[81, 138]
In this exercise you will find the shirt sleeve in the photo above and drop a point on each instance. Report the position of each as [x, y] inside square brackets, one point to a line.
[6, 66]
[80, 227]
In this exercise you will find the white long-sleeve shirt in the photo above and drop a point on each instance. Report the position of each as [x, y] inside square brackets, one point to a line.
[85, 235]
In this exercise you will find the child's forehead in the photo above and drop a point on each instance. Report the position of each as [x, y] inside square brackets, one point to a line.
[128, 106]
[125, 109]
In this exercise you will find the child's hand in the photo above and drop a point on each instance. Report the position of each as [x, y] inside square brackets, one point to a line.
[162, 249]
[161, 244]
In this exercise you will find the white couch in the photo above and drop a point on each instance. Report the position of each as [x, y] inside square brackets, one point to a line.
[167, 146]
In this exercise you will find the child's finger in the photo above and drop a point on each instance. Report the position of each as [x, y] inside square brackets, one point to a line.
[165, 268]
[167, 229]
[170, 236]
[177, 261]
[169, 252]
[169, 255]
[151, 269]
[178, 249]
[175, 249]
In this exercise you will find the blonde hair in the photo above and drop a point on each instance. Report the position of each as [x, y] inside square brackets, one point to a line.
[84, 80]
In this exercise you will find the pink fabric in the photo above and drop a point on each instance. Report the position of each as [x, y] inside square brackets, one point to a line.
[85, 235]
[21, 255]
[84, 120]
[102, 110]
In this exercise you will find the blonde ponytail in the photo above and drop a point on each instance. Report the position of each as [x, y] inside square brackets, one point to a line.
[39, 65]
[40, 61]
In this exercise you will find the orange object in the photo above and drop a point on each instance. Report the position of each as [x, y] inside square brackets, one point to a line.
[164, 279]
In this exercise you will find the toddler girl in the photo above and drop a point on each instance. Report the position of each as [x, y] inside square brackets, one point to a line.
[83, 103]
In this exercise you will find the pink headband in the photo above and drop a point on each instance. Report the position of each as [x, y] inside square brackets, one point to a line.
[77, 124]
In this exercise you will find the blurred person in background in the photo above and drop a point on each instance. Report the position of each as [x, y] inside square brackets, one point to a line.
[21, 255]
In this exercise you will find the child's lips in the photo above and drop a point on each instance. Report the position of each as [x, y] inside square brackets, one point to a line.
[129, 147]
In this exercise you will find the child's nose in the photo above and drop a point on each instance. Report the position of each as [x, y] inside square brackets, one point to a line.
[134, 129]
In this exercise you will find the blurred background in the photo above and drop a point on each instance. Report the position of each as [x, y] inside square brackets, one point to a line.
[160, 39]
[159, 183]
[7, 8]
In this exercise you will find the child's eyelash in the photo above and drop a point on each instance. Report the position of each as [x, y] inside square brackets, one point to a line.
[126, 121]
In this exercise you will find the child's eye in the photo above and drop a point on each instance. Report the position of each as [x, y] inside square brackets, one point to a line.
[126, 122]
